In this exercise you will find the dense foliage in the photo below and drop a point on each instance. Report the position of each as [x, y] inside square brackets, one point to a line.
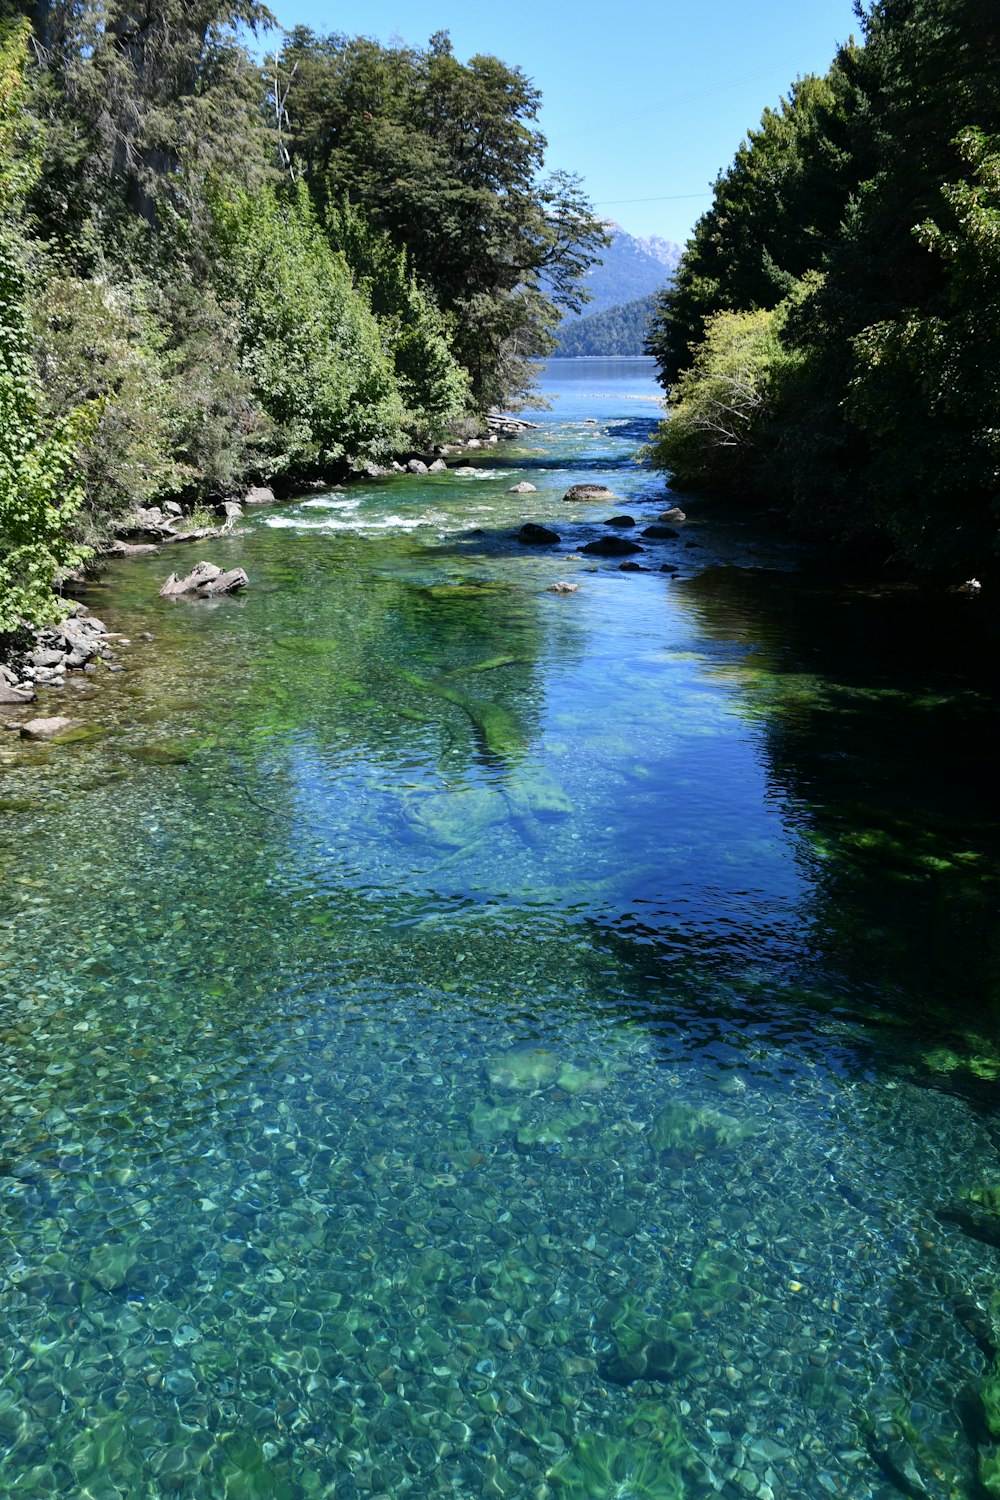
[213, 271]
[620, 330]
[864, 219]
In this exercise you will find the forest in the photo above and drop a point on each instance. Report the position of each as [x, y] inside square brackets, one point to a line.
[617, 331]
[831, 341]
[217, 270]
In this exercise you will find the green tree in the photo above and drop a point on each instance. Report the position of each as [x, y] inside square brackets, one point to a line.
[309, 343]
[38, 498]
[722, 425]
[445, 159]
[775, 215]
[432, 384]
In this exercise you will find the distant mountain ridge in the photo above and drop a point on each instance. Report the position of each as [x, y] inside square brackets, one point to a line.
[630, 268]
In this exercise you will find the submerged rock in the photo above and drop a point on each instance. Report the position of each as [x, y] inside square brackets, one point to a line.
[48, 729]
[611, 546]
[562, 587]
[533, 535]
[589, 492]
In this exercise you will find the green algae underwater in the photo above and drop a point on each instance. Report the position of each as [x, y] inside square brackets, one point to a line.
[459, 1039]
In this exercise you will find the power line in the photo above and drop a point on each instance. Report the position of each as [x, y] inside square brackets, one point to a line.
[648, 109]
[670, 198]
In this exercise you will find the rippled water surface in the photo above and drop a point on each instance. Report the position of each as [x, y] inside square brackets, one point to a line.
[459, 1039]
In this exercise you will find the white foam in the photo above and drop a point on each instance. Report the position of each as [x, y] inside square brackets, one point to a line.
[323, 502]
[385, 523]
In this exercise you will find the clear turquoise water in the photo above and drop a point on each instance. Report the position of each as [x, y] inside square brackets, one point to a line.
[459, 1039]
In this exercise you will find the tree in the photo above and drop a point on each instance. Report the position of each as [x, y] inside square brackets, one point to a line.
[308, 341]
[432, 384]
[445, 160]
[721, 428]
[38, 499]
[775, 215]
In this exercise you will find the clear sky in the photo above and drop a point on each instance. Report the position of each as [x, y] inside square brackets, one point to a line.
[645, 99]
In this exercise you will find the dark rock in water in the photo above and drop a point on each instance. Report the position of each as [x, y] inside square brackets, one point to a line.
[48, 729]
[589, 492]
[631, 567]
[661, 533]
[532, 535]
[522, 488]
[611, 546]
[669, 568]
[623, 521]
[164, 754]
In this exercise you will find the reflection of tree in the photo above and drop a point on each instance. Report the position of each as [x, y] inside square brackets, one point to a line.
[882, 739]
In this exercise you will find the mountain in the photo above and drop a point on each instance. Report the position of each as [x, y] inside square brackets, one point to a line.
[617, 330]
[629, 268]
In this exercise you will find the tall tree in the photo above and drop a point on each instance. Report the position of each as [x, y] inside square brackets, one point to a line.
[445, 157]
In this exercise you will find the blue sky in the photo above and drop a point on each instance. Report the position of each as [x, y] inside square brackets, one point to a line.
[645, 99]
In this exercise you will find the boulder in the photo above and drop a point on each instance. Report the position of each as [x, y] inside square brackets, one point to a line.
[533, 535]
[473, 443]
[438, 467]
[205, 581]
[562, 587]
[589, 492]
[10, 694]
[172, 508]
[233, 511]
[611, 546]
[200, 574]
[8, 675]
[417, 466]
[669, 568]
[522, 488]
[47, 658]
[259, 494]
[623, 521]
[631, 567]
[47, 729]
[673, 514]
[225, 583]
[659, 533]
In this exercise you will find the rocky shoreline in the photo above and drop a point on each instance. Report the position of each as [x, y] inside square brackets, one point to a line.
[80, 642]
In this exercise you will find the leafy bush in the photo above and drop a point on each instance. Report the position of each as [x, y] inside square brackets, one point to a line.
[722, 409]
[308, 341]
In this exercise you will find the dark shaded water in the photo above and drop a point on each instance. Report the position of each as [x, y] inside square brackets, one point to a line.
[459, 1039]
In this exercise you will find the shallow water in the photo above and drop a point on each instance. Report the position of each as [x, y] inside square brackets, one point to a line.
[460, 1039]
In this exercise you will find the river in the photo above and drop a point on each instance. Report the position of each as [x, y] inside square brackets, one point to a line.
[463, 1039]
